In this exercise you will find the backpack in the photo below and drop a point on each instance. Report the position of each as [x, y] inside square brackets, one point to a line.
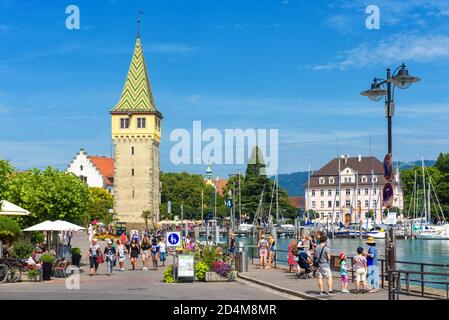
[316, 261]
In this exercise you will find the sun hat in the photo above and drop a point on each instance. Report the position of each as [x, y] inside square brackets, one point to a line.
[342, 255]
[94, 239]
[109, 241]
[371, 240]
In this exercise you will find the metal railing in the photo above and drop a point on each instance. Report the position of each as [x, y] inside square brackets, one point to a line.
[398, 278]
[417, 276]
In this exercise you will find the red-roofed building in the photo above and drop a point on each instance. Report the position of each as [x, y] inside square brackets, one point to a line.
[96, 171]
[297, 202]
[221, 185]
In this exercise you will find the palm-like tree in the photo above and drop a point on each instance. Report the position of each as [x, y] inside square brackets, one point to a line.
[146, 215]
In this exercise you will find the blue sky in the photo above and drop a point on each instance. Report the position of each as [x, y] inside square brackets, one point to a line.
[296, 66]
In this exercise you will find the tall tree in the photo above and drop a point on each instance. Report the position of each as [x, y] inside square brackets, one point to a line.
[49, 195]
[101, 203]
[6, 169]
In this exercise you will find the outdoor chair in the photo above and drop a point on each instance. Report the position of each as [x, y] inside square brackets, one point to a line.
[60, 270]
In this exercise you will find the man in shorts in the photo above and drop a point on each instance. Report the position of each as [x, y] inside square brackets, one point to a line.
[323, 256]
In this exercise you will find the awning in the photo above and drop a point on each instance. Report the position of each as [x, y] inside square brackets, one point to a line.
[58, 225]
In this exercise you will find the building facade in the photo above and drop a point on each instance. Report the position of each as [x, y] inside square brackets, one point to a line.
[347, 189]
[96, 171]
[136, 135]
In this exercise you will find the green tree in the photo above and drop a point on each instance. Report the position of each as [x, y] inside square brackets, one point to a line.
[442, 163]
[439, 182]
[9, 230]
[6, 169]
[254, 181]
[49, 195]
[186, 188]
[101, 202]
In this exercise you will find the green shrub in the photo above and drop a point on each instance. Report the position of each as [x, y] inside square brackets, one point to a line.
[76, 251]
[209, 255]
[22, 249]
[200, 270]
[33, 274]
[37, 237]
[46, 258]
[168, 274]
[9, 229]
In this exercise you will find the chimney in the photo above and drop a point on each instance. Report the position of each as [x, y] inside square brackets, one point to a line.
[346, 159]
[360, 158]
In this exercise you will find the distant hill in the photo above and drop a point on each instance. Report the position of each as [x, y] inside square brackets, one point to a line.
[417, 163]
[295, 182]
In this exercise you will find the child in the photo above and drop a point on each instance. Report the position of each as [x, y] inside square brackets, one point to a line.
[344, 273]
[360, 268]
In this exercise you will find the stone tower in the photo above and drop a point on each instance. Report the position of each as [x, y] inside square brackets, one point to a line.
[136, 135]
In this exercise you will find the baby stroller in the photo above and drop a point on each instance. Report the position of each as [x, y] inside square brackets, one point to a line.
[306, 270]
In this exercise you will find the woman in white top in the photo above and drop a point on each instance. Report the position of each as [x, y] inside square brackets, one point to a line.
[162, 251]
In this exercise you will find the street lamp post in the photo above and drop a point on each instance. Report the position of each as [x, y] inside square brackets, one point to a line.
[384, 88]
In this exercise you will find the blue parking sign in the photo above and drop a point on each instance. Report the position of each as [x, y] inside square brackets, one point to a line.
[229, 203]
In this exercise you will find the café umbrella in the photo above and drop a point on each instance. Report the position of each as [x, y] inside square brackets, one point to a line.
[8, 208]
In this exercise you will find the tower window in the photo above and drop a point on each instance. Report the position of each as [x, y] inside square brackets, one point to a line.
[132, 172]
[141, 123]
[132, 150]
[133, 194]
[158, 124]
[81, 167]
[124, 123]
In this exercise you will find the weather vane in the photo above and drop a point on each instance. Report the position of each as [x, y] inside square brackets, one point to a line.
[138, 22]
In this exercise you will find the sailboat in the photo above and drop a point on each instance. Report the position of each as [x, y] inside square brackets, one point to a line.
[429, 231]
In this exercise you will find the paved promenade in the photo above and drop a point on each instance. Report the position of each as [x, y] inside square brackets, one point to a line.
[135, 284]
[280, 279]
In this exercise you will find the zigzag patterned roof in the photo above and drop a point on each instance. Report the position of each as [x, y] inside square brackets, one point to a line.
[136, 93]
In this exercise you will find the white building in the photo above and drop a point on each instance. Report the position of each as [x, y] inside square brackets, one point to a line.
[346, 189]
[96, 171]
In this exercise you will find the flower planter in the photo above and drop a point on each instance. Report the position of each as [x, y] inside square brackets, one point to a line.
[46, 270]
[215, 277]
[76, 258]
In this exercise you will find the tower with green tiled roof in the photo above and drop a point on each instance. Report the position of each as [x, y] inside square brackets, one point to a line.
[136, 135]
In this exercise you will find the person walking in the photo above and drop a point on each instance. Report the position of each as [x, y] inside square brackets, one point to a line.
[322, 258]
[162, 251]
[134, 250]
[291, 257]
[373, 269]
[93, 252]
[262, 246]
[90, 232]
[232, 247]
[155, 253]
[271, 250]
[121, 252]
[360, 268]
[145, 251]
[110, 255]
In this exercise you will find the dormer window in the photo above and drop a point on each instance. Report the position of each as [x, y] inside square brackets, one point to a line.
[322, 180]
[364, 179]
[374, 179]
[331, 180]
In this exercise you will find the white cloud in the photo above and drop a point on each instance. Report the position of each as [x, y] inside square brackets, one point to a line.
[170, 48]
[396, 49]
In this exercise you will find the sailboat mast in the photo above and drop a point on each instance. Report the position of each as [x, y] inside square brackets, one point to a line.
[424, 187]
[277, 200]
[428, 204]
[307, 193]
